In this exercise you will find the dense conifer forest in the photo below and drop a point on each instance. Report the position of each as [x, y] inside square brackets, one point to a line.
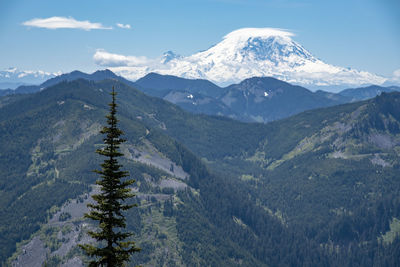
[316, 189]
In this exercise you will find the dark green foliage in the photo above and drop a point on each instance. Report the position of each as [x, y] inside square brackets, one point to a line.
[168, 208]
[311, 210]
[52, 262]
[24, 215]
[113, 250]
[64, 216]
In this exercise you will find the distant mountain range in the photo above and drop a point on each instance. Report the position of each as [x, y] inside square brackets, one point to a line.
[257, 99]
[364, 93]
[243, 54]
[254, 99]
[96, 76]
[11, 78]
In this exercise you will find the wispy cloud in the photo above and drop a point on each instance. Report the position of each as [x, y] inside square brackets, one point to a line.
[64, 23]
[104, 58]
[123, 26]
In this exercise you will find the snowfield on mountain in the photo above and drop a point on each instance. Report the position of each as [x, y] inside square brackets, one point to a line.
[244, 53]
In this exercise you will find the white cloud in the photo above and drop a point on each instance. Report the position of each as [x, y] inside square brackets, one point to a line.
[64, 23]
[396, 75]
[104, 58]
[246, 33]
[123, 26]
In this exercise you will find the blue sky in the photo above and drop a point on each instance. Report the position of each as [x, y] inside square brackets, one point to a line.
[361, 34]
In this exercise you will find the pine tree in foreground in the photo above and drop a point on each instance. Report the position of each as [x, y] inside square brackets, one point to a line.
[111, 249]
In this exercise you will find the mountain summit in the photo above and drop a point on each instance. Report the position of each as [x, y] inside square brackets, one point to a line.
[13, 77]
[251, 52]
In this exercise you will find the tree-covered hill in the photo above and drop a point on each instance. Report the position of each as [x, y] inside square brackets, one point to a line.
[48, 143]
[316, 189]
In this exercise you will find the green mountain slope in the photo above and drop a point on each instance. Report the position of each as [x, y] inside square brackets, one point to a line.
[333, 173]
[319, 188]
[48, 143]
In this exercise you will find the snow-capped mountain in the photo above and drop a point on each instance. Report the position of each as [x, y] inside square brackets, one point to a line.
[14, 77]
[168, 56]
[246, 53]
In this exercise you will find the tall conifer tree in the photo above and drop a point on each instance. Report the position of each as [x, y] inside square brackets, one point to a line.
[112, 248]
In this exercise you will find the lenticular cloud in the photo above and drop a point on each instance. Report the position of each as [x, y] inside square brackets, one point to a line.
[64, 23]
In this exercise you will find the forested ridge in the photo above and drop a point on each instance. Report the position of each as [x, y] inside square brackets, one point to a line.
[316, 189]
